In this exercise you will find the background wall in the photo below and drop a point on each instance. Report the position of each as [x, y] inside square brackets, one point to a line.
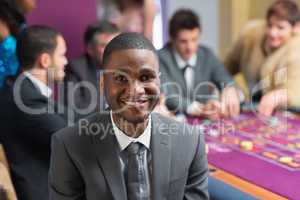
[70, 17]
[222, 20]
[209, 13]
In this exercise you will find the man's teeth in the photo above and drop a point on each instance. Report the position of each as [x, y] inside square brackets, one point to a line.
[132, 103]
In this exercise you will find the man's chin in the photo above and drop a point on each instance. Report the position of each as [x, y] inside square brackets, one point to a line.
[135, 118]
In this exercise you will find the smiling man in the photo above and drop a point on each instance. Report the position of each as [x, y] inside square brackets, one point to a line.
[128, 152]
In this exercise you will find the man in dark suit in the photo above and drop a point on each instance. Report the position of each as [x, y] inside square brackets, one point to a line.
[82, 91]
[29, 116]
[129, 152]
[191, 74]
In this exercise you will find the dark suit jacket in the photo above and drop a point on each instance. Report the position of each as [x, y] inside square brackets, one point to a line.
[85, 165]
[207, 69]
[26, 138]
[79, 70]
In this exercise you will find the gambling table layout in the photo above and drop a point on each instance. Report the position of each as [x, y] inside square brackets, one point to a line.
[264, 151]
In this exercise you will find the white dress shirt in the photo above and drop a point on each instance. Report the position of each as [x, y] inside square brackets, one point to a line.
[42, 87]
[189, 72]
[124, 141]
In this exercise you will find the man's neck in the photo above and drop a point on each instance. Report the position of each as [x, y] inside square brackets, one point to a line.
[133, 130]
[41, 75]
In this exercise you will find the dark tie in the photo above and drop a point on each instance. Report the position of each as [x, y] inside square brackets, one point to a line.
[137, 180]
[185, 68]
[188, 76]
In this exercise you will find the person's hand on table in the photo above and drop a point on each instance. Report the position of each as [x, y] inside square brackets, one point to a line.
[230, 102]
[272, 100]
[212, 110]
[195, 109]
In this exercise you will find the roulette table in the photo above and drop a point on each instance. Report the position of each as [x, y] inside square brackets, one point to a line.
[262, 150]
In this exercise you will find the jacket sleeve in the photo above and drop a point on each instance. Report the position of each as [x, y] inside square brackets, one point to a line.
[65, 182]
[40, 127]
[220, 75]
[197, 183]
[175, 99]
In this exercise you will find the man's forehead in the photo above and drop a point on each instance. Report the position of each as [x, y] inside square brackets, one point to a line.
[129, 69]
[135, 52]
[145, 56]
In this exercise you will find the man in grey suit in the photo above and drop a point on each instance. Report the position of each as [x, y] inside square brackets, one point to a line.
[81, 84]
[192, 75]
[129, 152]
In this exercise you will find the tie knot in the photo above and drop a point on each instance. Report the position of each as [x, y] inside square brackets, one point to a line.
[133, 148]
[186, 67]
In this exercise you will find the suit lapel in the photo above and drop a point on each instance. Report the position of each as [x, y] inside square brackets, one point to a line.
[174, 69]
[91, 72]
[198, 75]
[106, 149]
[161, 158]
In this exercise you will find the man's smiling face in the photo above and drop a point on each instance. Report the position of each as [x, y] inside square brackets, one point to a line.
[132, 85]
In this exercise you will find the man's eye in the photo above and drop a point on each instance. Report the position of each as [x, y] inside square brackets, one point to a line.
[121, 78]
[145, 78]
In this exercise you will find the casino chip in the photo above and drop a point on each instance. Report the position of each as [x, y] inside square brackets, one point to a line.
[285, 159]
[213, 133]
[246, 145]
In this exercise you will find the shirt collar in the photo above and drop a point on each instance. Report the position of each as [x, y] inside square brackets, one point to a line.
[125, 140]
[182, 63]
[44, 89]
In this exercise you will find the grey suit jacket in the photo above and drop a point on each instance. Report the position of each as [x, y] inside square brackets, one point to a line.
[78, 71]
[85, 163]
[209, 75]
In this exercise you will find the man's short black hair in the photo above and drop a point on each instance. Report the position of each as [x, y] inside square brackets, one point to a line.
[127, 41]
[34, 41]
[98, 28]
[183, 19]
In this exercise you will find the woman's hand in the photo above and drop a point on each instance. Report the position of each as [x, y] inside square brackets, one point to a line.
[272, 100]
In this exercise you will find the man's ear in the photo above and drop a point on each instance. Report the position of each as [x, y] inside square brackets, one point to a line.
[44, 60]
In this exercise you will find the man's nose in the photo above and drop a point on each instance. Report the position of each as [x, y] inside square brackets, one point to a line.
[137, 88]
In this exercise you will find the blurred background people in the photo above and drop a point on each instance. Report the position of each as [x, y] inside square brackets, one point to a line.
[191, 73]
[267, 56]
[130, 15]
[82, 81]
[29, 116]
[12, 22]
